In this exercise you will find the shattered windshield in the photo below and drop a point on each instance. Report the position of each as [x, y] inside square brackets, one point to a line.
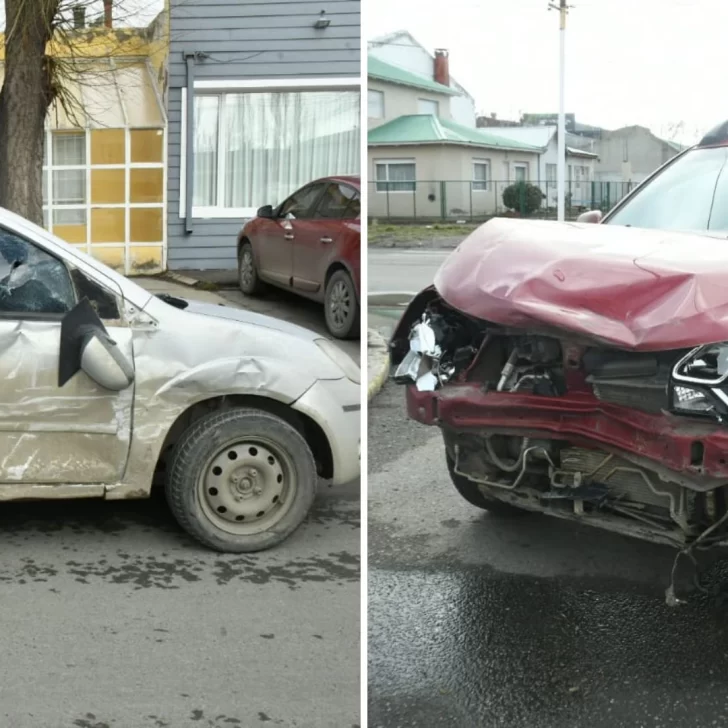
[689, 195]
[31, 280]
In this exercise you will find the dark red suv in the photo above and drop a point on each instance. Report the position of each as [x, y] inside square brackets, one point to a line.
[309, 244]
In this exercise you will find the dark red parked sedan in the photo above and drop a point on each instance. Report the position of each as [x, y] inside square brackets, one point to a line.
[309, 244]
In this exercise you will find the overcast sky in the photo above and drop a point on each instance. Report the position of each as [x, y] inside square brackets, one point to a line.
[648, 62]
[137, 13]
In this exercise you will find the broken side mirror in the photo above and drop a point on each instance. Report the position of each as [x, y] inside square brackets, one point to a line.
[102, 360]
[265, 211]
[591, 216]
[87, 346]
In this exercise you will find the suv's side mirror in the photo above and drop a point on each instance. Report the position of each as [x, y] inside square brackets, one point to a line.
[591, 216]
[102, 360]
[265, 211]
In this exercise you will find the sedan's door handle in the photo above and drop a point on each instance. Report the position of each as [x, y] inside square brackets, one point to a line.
[327, 240]
[288, 236]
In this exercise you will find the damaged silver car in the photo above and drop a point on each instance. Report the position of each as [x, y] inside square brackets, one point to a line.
[107, 389]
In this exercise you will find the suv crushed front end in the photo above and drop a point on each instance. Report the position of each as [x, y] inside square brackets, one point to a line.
[566, 383]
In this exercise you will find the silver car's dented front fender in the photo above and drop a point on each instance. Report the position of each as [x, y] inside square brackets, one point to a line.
[189, 358]
[335, 407]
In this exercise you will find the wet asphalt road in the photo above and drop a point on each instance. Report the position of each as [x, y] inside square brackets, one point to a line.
[525, 622]
[114, 618]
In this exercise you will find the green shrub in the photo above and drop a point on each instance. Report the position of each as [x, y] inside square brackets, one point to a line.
[523, 197]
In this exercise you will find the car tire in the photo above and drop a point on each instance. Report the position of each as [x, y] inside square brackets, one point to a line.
[341, 306]
[241, 480]
[473, 495]
[248, 280]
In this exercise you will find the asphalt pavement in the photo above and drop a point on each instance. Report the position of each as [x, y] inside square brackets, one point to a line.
[477, 621]
[114, 618]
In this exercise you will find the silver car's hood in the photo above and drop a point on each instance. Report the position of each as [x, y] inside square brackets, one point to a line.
[248, 317]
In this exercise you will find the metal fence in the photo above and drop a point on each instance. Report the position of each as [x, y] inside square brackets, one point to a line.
[472, 200]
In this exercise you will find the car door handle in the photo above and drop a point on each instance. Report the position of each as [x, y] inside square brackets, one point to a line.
[327, 240]
[288, 236]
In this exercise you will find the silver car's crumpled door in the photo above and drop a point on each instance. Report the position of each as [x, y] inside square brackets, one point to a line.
[78, 433]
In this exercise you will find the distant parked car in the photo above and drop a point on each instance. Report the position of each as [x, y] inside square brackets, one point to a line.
[309, 244]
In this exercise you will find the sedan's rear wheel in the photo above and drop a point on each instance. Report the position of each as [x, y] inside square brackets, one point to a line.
[250, 283]
[241, 480]
[341, 306]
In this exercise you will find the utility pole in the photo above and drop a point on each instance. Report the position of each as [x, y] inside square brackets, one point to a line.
[563, 9]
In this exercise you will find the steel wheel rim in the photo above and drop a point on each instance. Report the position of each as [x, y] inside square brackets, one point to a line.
[340, 304]
[247, 486]
[247, 269]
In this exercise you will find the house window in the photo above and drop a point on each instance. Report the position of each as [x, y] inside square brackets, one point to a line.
[521, 172]
[68, 178]
[256, 148]
[427, 106]
[375, 104]
[551, 173]
[481, 174]
[396, 176]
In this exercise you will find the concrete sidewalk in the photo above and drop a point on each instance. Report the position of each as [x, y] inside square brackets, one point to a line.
[163, 285]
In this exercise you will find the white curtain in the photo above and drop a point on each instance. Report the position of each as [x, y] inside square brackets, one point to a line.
[273, 143]
[207, 123]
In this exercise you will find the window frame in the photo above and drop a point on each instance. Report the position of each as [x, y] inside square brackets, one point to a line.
[352, 199]
[525, 167]
[486, 182]
[231, 86]
[381, 95]
[41, 315]
[393, 162]
[436, 102]
[49, 204]
[312, 206]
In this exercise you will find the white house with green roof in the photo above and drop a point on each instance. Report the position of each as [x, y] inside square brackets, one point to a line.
[403, 50]
[428, 166]
[395, 92]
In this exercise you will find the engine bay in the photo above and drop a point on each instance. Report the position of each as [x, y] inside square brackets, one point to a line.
[631, 441]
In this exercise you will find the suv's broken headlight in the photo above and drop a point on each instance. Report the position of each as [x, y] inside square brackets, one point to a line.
[691, 401]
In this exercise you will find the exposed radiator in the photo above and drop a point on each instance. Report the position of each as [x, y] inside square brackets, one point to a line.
[622, 478]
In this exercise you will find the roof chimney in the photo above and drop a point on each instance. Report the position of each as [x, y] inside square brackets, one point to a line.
[442, 66]
[108, 19]
[79, 17]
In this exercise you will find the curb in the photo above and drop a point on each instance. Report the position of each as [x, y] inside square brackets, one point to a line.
[375, 383]
[179, 278]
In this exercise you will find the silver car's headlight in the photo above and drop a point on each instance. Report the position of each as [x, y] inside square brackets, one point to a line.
[343, 361]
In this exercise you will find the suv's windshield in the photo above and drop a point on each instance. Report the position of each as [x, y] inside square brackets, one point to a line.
[691, 194]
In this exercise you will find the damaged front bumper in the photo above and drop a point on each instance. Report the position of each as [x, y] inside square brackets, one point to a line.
[334, 405]
[632, 442]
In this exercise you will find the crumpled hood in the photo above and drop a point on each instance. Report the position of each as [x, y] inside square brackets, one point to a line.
[249, 317]
[635, 289]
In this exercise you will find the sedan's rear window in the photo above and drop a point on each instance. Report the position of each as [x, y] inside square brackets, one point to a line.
[691, 194]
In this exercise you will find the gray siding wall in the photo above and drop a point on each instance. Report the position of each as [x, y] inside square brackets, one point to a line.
[282, 32]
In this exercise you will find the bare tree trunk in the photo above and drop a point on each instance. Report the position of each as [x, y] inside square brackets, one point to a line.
[26, 94]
